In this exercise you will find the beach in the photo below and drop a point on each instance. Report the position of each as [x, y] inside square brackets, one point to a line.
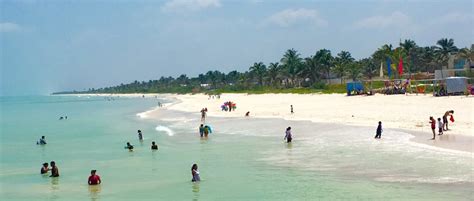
[408, 112]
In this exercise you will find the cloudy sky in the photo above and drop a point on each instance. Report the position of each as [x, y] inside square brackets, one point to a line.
[48, 46]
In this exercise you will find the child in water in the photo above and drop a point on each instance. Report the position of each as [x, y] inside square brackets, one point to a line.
[440, 127]
[45, 168]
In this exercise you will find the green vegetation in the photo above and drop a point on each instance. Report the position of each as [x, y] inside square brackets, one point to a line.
[295, 74]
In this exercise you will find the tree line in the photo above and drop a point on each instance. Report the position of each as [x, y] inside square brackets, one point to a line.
[295, 71]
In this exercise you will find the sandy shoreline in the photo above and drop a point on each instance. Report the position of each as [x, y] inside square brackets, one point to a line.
[403, 112]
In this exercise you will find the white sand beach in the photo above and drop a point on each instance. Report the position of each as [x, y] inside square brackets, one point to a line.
[409, 112]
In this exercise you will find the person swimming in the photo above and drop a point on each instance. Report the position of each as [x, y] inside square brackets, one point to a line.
[195, 173]
[45, 168]
[94, 179]
[54, 169]
[41, 141]
[154, 146]
[129, 146]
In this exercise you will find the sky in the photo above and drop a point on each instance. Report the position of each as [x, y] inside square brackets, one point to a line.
[49, 46]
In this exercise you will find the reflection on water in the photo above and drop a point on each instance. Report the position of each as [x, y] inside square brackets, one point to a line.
[289, 145]
[54, 188]
[195, 189]
[94, 191]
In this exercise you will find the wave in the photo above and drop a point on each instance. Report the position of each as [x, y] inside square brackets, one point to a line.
[165, 129]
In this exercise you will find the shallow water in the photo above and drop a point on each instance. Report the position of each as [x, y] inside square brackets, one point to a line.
[243, 159]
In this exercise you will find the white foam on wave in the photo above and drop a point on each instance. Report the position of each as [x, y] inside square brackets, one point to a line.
[165, 129]
[145, 114]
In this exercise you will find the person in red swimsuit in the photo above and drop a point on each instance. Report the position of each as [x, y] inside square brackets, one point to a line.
[94, 179]
[433, 126]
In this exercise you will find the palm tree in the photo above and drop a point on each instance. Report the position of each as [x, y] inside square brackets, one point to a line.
[444, 49]
[272, 72]
[409, 46]
[259, 69]
[342, 60]
[311, 69]
[354, 70]
[324, 59]
[467, 54]
[292, 63]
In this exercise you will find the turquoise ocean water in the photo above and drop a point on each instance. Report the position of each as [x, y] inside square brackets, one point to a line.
[244, 159]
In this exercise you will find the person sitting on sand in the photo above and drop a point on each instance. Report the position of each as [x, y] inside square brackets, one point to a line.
[201, 130]
[41, 141]
[54, 169]
[195, 173]
[445, 119]
[154, 146]
[45, 168]
[288, 136]
[94, 179]
[140, 136]
[129, 146]
[379, 131]
[433, 126]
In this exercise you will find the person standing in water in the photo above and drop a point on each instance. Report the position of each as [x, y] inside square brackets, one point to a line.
[433, 126]
[45, 168]
[201, 130]
[140, 136]
[54, 169]
[445, 119]
[154, 146]
[378, 133]
[288, 135]
[94, 179]
[195, 173]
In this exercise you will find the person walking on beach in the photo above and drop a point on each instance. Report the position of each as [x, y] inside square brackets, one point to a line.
[445, 119]
[94, 179]
[54, 169]
[201, 130]
[291, 109]
[288, 136]
[195, 173]
[203, 115]
[41, 141]
[433, 126]
[45, 168]
[140, 135]
[154, 146]
[378, 133]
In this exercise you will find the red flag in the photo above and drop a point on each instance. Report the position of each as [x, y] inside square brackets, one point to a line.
[400, 66]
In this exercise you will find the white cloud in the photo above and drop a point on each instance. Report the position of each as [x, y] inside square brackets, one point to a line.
[396, 19]
[455, 18]
[189, 5]
[290, 17]
[9, 27]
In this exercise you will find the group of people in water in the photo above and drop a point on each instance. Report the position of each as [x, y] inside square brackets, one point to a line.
[140, 138]
[442, 123]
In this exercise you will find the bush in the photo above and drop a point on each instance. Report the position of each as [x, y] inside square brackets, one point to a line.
[319, 85]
